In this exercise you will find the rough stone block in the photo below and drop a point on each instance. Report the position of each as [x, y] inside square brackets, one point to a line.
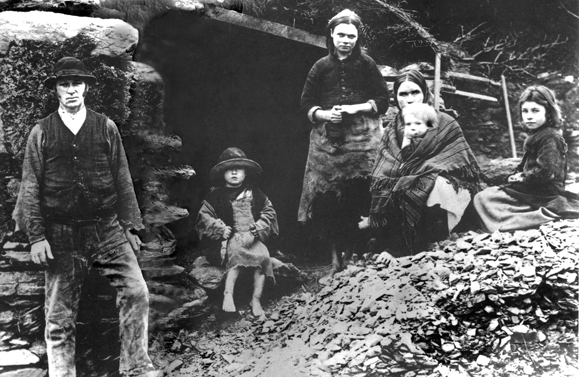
[30, 289]
[177, 293]
[18, 357]
[112, 37]
[8, 289]
[21, 259]
[6, 317]
[22, 283]
[26, 372]
[147, 103]
[162, 273]
[497, 171]
[206, 275]
[154, 259]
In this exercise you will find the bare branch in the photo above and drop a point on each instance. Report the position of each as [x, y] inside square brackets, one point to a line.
[407, 17]
[567, 10]
[468, 35]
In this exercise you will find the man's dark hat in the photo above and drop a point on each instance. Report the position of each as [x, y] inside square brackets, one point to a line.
[234, 158]
[69, 67]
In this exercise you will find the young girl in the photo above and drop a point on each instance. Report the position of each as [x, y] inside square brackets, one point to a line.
[535, 194]
[419, 118]
[343, 97]
[241, 218]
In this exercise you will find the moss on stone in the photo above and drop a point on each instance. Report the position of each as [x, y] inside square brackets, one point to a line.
[26, 100]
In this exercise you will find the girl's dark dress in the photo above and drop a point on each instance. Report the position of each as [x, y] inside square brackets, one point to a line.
[541, 197]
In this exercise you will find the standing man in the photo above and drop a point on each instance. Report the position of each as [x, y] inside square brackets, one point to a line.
[79, 210]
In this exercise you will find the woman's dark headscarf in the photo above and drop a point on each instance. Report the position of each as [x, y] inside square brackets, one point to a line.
[345, 17]
[417, 78]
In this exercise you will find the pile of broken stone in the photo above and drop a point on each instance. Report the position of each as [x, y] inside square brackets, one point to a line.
[478, 304]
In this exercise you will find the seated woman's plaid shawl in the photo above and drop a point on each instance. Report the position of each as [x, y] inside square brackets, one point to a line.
[401, 186]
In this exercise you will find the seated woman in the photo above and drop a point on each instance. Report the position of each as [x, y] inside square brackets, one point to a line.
[439, 169]
[535, 194]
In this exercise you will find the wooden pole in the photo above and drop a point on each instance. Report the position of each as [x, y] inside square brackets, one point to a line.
[437, 82]
[508, 111]
[466, 76]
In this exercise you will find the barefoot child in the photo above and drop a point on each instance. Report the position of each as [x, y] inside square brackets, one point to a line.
[241, 218]
[535, 194]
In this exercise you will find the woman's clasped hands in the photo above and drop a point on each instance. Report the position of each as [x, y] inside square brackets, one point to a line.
[335, 114]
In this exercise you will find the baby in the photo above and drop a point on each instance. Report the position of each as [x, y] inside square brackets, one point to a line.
[239, 218]
[419, 118]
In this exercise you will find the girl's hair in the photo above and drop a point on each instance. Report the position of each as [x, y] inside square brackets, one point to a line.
[345, 17]
[545, 97]
[417, 78]
[422, 111]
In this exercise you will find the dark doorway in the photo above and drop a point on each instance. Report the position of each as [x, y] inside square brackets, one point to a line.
[225, 86]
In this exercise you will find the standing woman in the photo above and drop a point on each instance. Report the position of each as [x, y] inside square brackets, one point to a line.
[440, 170]
[343, 97]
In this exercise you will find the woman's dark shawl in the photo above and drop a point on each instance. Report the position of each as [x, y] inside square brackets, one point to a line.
[400, 187]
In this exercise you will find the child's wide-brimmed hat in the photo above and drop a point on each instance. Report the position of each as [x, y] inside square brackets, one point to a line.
[69, 67]
[234, 158]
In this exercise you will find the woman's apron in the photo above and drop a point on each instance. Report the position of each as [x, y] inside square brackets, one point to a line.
[330, 165]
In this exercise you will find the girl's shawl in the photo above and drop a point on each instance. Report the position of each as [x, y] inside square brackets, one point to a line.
[400, 187]
[221, 204]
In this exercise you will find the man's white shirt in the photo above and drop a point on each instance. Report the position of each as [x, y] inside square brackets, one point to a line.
[73, 121]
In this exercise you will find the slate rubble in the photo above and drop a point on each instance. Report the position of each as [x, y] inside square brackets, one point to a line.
[474, 305]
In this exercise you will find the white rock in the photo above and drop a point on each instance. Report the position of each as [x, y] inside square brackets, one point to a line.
[482, 360]
[190, 5]
[520, 329]
[527, 369]
[474, 287]
[384, 256]
[448, 347]
[18, 357]
[113, 37]
[373, 339]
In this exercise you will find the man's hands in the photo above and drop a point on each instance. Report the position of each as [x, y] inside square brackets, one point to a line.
[133, 239]
[40, 252]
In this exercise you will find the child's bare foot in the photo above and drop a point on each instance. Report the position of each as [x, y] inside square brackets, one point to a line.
[228, 304]
[256, 308]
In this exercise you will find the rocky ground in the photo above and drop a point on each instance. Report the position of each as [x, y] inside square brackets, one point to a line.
[501, 304]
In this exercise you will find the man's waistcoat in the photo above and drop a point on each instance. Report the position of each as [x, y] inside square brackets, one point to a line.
[78, 180]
